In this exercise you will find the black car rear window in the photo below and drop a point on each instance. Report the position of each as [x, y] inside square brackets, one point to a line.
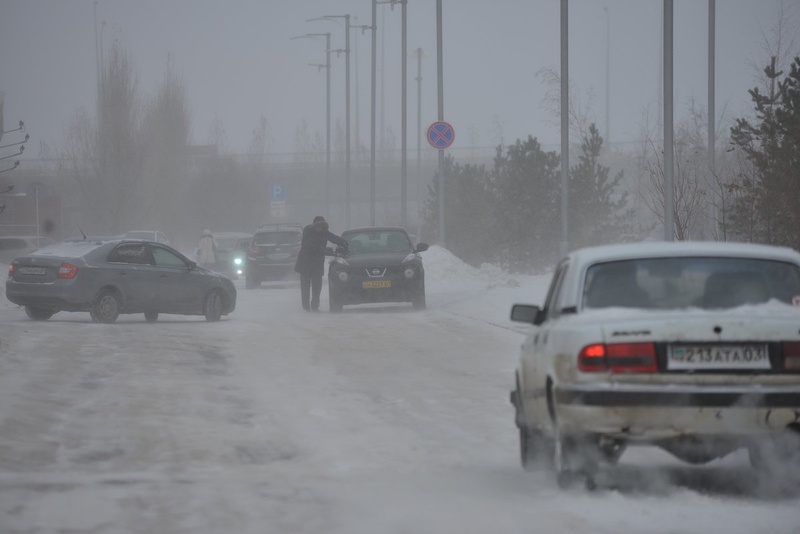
[281, 237]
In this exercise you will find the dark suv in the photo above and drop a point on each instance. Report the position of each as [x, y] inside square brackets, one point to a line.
[273, 253]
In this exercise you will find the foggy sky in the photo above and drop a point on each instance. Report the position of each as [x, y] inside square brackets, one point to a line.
[238, 62]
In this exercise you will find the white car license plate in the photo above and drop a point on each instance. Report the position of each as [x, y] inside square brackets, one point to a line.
[32, 270]
[278, 256]
[693, 357]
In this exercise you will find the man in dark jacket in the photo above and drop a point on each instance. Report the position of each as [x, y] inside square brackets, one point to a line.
[311, 260]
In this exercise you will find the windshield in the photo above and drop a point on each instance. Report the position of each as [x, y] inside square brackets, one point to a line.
[674, 283]
[378, 242]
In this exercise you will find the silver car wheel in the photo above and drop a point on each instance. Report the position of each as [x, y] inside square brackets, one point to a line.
[106, 308]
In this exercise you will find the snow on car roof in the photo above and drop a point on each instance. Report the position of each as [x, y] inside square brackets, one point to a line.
[70, 249]
[656, 249]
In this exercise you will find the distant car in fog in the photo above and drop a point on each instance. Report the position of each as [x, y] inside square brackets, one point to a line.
[381, 264]
[238, 256]
[150, 235]
[109, 278]
[20, 245]
[272, 253]
[227, 243]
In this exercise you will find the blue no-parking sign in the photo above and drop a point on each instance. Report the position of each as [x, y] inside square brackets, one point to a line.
[441, 135]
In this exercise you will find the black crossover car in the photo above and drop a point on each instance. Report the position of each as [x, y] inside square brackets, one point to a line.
[272, 253]
[108, 278]
[381, 264]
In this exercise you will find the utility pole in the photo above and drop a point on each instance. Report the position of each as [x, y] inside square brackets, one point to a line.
[404, 113]
[97, 51]
[564, 127]
[669, 193]
[419, 139]
[327, 67]
[347, 107]
[440, 98]
[608, 78]
[712, 121]
[372, 117]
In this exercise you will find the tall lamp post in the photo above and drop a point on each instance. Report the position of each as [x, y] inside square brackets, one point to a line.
[418, 54]
[608, 78]
[327, 67]
[347, 106]
[403, 111]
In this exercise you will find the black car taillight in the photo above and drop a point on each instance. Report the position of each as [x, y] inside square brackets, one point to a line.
[791, 356]
[618, 358]
[11, 271]
[67, 271]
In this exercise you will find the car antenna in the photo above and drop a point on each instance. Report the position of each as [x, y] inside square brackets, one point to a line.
[81, 229]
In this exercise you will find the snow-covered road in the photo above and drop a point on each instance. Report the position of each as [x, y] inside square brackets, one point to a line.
[376, 420]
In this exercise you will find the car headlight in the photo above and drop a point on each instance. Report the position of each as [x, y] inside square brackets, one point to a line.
[342, 276]
[410, 257]
[341, 261]
[237, 261]
[409, 273]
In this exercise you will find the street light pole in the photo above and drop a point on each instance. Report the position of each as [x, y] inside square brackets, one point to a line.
[419, 139]
[403, 112]
[347, 107]
[564, 127]
[440, 98]
[608, 78]
[327, 67]
[97, 50]
[669, 180]
[372, 117]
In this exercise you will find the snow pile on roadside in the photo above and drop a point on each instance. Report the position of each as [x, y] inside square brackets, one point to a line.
[443, 267]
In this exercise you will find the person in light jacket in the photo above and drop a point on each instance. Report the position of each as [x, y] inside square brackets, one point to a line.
[311, 261]
[207, 250]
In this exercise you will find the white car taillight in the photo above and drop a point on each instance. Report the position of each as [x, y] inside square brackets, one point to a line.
[618, 358]
[791, 356]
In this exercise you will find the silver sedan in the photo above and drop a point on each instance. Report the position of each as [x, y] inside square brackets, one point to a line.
[109, 278]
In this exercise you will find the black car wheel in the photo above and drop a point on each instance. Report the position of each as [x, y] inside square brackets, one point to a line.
[38, 314]
[419, 297]
[151, 316]
[333, 300]
[106, 307]
[213, 306]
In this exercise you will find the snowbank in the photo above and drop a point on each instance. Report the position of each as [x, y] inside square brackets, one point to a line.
[443, 267]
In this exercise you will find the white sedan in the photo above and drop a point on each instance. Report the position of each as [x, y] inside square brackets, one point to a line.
[691, 347]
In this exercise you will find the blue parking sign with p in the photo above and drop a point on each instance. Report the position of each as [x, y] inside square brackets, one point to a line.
[277, 192]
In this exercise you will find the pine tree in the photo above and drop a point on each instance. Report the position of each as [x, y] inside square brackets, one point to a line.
[767, 208]
[526, 194]
[597, 214]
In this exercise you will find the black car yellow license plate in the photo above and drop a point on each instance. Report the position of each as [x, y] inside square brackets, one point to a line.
[372, 284]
